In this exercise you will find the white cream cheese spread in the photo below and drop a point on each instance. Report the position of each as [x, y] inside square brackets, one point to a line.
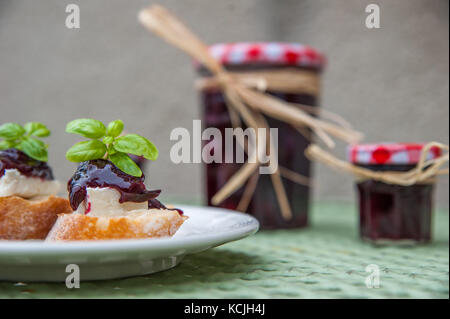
[13, 183]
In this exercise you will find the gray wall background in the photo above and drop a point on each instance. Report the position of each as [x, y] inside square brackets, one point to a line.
[392, 83]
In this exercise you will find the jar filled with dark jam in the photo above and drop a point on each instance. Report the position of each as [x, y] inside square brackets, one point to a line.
[393, 213]
[263, 57]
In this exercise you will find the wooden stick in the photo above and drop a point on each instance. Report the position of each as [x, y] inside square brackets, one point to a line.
[289, 113]
[248, 193]
[295, 177]
[235, 182]
[277, 183]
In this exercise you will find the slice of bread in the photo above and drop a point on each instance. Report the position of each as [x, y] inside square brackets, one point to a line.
[148, 224]
[22, 219]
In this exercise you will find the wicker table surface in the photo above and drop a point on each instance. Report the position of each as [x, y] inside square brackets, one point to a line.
[326, 260]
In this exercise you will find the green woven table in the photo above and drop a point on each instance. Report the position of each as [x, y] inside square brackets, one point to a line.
[327, 260]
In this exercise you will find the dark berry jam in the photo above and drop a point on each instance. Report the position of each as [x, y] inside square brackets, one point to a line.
[291, 145]
[394, 212]
[102, 173]
[156, 204]
[14, 159]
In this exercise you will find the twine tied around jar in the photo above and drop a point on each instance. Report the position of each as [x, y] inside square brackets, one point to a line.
[246, 99]
[425, 171]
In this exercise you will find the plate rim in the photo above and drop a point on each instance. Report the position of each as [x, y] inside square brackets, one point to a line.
[42, 248]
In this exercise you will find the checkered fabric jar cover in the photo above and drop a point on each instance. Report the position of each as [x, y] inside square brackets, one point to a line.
[389, 153]
[275, 53]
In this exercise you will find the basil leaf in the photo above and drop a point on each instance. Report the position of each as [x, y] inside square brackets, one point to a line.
[5, 144]
[89, 128]
[36, 129]
[86, 150]
[125, 164]
[137, 145]
[115, 128]
[108, 140]
[11, 131]
[34, 148]
[36, 142]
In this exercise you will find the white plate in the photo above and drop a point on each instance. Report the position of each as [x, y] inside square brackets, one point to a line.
[206, 227]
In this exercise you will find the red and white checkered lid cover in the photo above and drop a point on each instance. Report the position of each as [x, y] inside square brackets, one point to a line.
[389, 153]
[267, 52]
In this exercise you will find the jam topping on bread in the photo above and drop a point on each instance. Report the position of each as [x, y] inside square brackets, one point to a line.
[101, 173]
[15, 159]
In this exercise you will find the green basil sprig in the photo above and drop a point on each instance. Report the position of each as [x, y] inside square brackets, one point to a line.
[25, 138]
[106, 143]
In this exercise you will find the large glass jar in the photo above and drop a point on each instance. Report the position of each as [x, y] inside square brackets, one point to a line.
[393, 213]
[263, 57]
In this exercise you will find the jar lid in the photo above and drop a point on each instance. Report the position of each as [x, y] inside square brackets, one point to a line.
[389, 153]
[277, 53]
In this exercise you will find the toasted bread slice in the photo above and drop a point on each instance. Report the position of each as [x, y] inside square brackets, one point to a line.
[22, 219]
[152, 223]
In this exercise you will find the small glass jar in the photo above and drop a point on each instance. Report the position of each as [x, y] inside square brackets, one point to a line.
[254, 57]
[393, 213]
